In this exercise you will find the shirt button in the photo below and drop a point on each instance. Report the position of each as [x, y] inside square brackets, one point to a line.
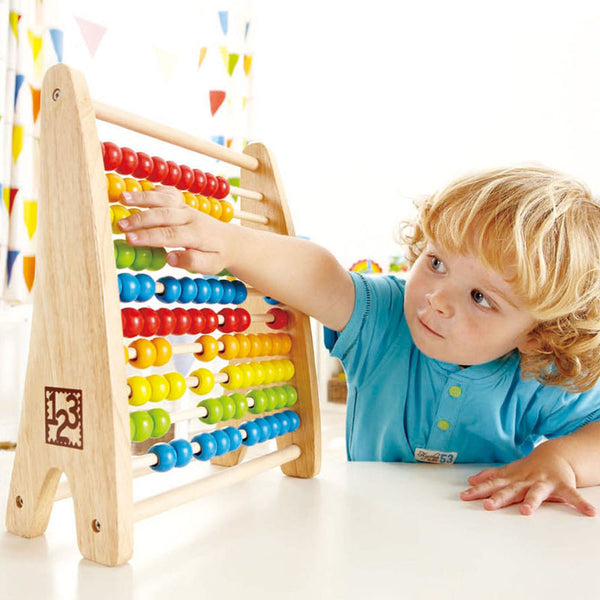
[443, 425]
[455, 391]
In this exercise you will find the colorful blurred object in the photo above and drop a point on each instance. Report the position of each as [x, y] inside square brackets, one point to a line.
[366, 265]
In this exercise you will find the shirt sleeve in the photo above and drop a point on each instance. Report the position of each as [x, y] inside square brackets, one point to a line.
[374, 323]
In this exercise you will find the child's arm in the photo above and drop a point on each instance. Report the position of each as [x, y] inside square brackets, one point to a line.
[294, 271]
[552, 472]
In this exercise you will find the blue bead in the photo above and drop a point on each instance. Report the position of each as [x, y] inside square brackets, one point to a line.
[241, 293]
[265, 430]
[252, 433]
[284, 422]
[208, 446]
[228, 292]
[275, 425]
[294, 419]
[130, 288]
[183, 449]
[172, 290]
[222, 440]
[188, 290]
[120, 286]
[216, 291]
[166, 455]
[147, 287]
[235, 438]
[203, 291]
[270, 300]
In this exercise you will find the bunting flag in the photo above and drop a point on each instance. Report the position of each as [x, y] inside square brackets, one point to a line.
[224, 20]
[202, 56]
[232, 61]
[56, 35]
[92, 34]
[217, 98]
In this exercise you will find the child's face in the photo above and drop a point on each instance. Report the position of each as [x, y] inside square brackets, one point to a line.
[461, 312]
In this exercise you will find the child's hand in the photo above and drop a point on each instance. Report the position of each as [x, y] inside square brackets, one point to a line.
[544, 475]
[172, 223]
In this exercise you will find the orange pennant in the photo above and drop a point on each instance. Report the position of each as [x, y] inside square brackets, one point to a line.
[29, 271]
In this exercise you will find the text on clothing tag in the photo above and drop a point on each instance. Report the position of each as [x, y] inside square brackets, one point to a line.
[435, 456]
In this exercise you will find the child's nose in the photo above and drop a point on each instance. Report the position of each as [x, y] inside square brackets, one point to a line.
[440, 302]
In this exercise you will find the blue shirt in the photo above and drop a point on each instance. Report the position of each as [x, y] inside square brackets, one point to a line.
[405, 406]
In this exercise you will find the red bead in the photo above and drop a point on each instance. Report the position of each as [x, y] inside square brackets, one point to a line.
[222, 189]
[168, 321]
[211, 320]
[199, 181]
[133, 322]
[112, 156]
[230, 320]
[198, 321]
[159, 170]
[211, 186]
[129, 161]
[144, 167]
[174, 174]
[151, 322]
[280, 320]
[243, 319]
[186, 179]
[184, 321]
[103, 150]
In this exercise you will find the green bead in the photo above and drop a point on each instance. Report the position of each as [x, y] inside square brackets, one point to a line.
[228, 407]
[272, 398]
[125, 254]
[260, 401]
[131, 428]
[292, 395]
[143, 258]
[241, 405]
[161, 421]
[159, 259]
[142, 425]
[281, 397]
[214, 408]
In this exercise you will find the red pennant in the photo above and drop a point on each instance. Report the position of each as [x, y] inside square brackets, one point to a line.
[217, 97]
[11, 200]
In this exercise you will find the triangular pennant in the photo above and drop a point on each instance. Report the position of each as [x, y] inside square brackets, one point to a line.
[216, 99]
[247, 63]
[224, 20]
[244, 102]
[202, 55]
[229, 142]
[12, 194]
[19, 79]
[233, 60]
[92, 34]
[30, 216]
[166, 62]
[11, 257]
[35, 102]
[224, 56]
[218, 139]
[6, 198]
[14, 23]
[246, 30]
[35, 42]
[29, 271]
[17, 141]
[57, 42]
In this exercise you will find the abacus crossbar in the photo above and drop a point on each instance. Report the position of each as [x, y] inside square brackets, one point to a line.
[191, 491]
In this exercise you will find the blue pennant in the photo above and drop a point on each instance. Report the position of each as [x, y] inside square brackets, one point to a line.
[10, 261]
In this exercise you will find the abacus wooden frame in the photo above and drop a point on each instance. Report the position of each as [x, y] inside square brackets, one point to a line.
[77, 340]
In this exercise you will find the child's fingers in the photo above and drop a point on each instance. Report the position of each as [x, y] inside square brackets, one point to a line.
[483, 475]
[484, 489]
[507, 495]
[161, 196]
[155, 217]
[571, 496]
[537, 493]
[207, 263]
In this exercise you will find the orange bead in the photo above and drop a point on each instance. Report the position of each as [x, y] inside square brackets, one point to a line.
[231, 347]
[266, 344]
[133, 185]
[146, 185]
[216, 210]
[286, 342]
[244, 345]
[115, 186]
[191, 200]
[226, 211]
[145, 353]
[210, 348]
[203, 204]
[255, 345]
[164, 351]
[276, 345]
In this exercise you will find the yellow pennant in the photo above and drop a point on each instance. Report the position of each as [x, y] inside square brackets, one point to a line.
[17, 141]
[202, 55]
[14, 19]
[247, 63]
[35, 42]
[30, 216]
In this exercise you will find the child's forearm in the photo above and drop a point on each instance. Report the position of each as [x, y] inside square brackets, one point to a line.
[581, 450]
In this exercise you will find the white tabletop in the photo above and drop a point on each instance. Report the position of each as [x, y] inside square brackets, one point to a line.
[357, 530]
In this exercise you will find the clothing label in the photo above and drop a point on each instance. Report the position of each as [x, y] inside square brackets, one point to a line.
[435, 456]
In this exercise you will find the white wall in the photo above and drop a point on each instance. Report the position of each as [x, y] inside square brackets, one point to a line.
[369, 104]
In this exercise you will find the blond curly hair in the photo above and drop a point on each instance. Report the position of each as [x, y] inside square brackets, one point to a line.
[541, 230]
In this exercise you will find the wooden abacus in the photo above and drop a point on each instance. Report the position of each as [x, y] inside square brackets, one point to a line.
[75, 417]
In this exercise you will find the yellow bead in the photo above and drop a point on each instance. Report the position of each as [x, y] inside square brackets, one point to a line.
[140, 390]
[177, 385]
[270, 375]
[289, 369]
[248, 374]
[160, 387]
[146, 185]
[133, 185]
[115, 186]
[215, 208]
[235, 377]
[206, 381]
[117, 212]
[191, 200]
[259, 373]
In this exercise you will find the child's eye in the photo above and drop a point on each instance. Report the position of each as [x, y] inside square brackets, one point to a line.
[480, 299]
[436, 264]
